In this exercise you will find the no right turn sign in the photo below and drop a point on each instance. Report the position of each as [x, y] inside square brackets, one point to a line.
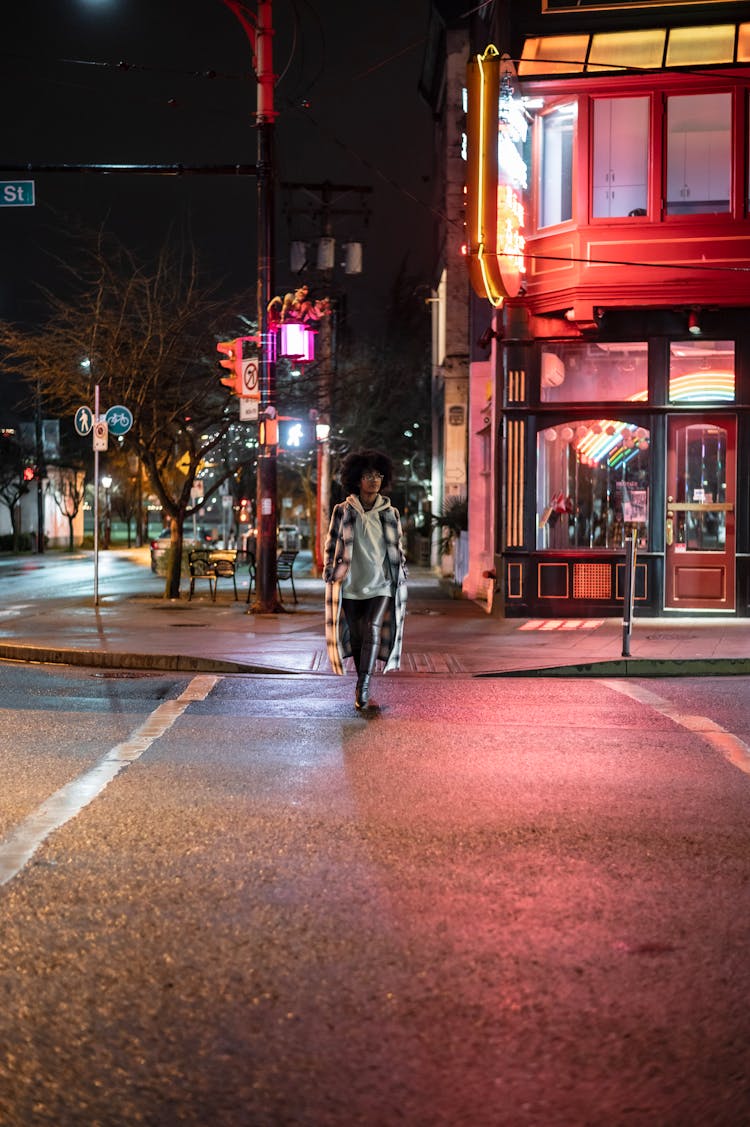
[250, 389]
[101, 435]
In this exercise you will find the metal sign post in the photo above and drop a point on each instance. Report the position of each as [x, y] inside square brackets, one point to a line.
[96, 499]
[629, 594]
[118, 420]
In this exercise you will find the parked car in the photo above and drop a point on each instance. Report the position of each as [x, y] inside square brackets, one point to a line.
[160, 547]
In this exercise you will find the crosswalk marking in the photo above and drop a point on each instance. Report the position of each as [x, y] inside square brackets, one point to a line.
[410, 663]
[562, 624]
[21, 845]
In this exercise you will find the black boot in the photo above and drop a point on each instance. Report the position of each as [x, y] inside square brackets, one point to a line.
[365, 667]
[362, 692]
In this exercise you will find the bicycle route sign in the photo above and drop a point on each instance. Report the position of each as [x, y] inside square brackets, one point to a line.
[119, 419]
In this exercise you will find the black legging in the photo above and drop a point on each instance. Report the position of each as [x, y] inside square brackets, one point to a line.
[364, 618]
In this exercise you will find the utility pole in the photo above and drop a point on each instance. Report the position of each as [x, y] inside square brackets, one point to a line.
[266, 597]
[259, 30]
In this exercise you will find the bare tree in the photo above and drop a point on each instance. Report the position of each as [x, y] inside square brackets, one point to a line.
[12, 482]
[67, 487]
[146, 336]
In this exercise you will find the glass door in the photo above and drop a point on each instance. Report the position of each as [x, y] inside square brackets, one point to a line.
[700, 514]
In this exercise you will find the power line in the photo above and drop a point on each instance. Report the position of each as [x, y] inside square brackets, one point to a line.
[692, 266]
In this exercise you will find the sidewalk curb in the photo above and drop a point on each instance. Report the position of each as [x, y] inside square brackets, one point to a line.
[184, 663]
[638, 667]
[165, 663]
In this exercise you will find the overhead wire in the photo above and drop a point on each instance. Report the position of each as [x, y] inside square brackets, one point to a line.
[210, 74]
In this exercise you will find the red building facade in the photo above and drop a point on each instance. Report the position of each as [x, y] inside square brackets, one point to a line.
[621, 401]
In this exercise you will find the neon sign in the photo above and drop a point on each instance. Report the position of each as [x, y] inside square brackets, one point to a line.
[497, 176]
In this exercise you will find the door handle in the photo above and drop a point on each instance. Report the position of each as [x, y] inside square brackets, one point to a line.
[670, 529]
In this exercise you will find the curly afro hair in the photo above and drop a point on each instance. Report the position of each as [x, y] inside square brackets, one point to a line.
[358, 461]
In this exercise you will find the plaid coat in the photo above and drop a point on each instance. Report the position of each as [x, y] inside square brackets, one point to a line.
[338, 558]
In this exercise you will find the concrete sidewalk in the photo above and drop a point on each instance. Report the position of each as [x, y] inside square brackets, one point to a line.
[444, 635]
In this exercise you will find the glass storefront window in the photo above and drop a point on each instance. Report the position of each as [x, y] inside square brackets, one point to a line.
[620, 159]
[593, 484]
[585, 372]
[698, 153]
[556, 165]
[701, 371]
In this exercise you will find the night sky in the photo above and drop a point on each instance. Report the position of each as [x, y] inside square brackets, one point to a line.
[357, 66]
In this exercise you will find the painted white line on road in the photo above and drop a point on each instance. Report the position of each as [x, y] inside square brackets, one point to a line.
[734, 750]
[18, 849]
[16, 609]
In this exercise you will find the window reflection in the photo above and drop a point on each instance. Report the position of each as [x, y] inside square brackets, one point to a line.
[701, 371]
[556, 166]
[701, 461]
[593, 482]
[584, 372]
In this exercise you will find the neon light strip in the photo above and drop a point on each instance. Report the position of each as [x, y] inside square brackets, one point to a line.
[697, 386]
[480, 162]
[492, 297]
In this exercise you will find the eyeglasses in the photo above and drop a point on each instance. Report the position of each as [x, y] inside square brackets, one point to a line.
[372, 475]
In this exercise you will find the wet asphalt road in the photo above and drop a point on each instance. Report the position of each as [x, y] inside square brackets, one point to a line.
[490, 903]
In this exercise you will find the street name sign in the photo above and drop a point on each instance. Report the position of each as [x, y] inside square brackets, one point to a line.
[17, 193]
[248, 410]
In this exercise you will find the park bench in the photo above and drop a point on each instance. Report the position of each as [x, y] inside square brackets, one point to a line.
[224, 563]
[285, 570]
[212, 566]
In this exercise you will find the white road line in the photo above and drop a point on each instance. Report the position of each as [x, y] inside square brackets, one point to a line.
[734, 750]
[13, 611]
[18, 849]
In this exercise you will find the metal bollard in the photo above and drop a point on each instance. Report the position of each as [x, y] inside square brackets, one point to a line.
[629, 594]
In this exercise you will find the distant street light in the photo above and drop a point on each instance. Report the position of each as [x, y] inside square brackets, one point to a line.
[107, 485]
[322, 432]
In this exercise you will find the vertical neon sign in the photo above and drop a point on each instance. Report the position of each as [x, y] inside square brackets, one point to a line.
[496, 177]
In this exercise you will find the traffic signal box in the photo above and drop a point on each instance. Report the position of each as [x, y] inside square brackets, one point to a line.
[233, 362]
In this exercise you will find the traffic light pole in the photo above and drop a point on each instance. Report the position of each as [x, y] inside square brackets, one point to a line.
[260, 32]
[266, 598]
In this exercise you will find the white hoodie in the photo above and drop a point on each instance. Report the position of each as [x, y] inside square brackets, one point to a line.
[368, 576]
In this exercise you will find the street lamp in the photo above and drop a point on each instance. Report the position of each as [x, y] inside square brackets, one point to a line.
[107, 485]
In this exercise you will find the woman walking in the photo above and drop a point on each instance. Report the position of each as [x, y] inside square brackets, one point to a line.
[365, 573]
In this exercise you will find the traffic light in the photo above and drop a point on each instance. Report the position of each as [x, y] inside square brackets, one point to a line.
[232, 350]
